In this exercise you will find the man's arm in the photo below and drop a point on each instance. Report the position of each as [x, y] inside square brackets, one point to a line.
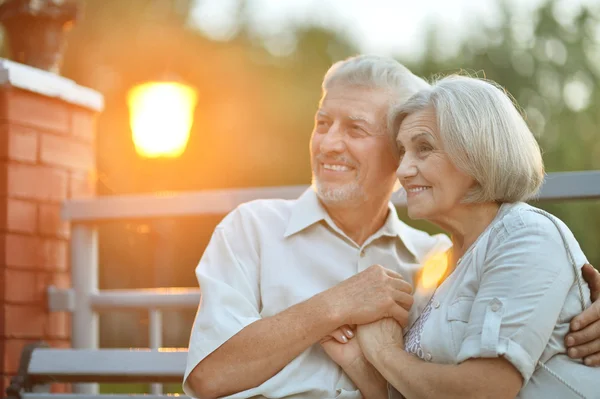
[263, 348]
[584, 339]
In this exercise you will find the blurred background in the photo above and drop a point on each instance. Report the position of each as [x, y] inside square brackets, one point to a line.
[256, 66]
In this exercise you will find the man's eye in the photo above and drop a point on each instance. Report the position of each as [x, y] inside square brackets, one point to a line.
[356, 131]
[424, 148]
[321, 125]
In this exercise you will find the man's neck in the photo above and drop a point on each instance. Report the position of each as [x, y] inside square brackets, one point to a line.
[359, 220]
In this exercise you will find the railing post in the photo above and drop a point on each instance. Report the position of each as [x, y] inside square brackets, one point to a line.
[155, 338]
[84, 270]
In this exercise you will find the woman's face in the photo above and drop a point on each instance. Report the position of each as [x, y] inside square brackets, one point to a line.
[434, 186]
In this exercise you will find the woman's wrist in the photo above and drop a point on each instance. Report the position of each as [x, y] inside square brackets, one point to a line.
[378, 356]
[357, 365]
[368, 380]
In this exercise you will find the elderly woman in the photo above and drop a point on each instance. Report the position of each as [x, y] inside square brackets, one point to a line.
[496, 326]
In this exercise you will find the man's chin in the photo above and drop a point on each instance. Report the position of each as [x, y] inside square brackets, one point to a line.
[330, 193]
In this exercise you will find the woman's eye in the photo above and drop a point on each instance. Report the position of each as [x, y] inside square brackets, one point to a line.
[424, 148]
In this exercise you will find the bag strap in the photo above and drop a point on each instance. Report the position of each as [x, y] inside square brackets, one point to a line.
[569, 254]
[581, 296]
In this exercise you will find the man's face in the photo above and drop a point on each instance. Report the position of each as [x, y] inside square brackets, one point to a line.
[352, 154]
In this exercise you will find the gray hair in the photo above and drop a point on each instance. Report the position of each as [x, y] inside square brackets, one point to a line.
[484, 135]
[375, 72]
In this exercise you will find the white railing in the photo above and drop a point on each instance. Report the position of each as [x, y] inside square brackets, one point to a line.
[84, 299]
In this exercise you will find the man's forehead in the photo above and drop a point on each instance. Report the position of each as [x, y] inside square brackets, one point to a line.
[354, 106]
[357, 94]
[355, 116]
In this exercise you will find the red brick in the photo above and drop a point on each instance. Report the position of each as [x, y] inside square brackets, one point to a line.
[34, 182]
[12, 354]
[24, 321]
[59, 343]
[18, 143]
[50, 222]
[53, 255]
[4, 382]
[18, 216]
[21, 251]
[66, 152]
[35, 110]
[59, 280]
[58, 325]
[30, 252]
[82, 185]
[21, 287]
[83, 124]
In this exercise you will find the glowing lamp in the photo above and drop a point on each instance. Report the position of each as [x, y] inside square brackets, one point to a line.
[161, 116]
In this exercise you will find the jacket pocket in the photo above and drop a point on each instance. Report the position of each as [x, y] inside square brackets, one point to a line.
[458, 315]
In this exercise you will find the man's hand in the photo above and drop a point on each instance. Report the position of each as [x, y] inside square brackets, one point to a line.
[370, 295]
[584, 339]
[341, 347]
[379, 336]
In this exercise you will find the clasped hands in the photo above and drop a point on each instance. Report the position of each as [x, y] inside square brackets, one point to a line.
[372, 306]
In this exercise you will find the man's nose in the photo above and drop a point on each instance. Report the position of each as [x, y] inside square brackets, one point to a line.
[334, 140]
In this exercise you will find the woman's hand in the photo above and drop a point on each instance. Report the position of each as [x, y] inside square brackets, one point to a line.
[342, 347]
[379, 336]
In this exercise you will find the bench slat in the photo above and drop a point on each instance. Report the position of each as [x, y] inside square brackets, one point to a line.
[28, 395]
[107, 365]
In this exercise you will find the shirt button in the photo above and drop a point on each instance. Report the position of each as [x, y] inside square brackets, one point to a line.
[495, 307]
[428, 357]
[436, 304]
[362, 253]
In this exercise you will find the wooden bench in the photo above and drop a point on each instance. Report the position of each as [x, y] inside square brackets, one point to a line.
[41, 366]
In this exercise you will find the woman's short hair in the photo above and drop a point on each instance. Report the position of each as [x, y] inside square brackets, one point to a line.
[375, 72]
[484, 135]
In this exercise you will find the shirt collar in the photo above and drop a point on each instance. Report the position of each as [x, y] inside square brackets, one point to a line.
[308, 210]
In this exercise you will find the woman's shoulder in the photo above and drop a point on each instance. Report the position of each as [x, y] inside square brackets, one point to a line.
[520, 224]
[518, 217]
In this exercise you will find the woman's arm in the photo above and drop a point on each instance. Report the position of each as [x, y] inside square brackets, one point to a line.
[382, 344]
[474, 378]
[370, 383]
[343, 348]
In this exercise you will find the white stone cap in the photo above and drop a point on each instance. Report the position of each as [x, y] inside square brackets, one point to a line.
[49, 84]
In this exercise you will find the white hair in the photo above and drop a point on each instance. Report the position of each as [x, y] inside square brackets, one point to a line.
[375, 72]
[484, 135]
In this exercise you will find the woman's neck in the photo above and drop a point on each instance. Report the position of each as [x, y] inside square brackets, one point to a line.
[466, 223]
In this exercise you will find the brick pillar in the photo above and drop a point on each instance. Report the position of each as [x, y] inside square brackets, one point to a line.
[47, 154]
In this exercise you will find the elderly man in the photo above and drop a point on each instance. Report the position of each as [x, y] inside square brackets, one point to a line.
[279, 277]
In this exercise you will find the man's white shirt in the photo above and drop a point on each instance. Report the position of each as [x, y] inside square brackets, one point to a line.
[268, 255]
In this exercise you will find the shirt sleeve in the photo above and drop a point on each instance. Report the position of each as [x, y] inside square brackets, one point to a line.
[228, 275]
[524, 282]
